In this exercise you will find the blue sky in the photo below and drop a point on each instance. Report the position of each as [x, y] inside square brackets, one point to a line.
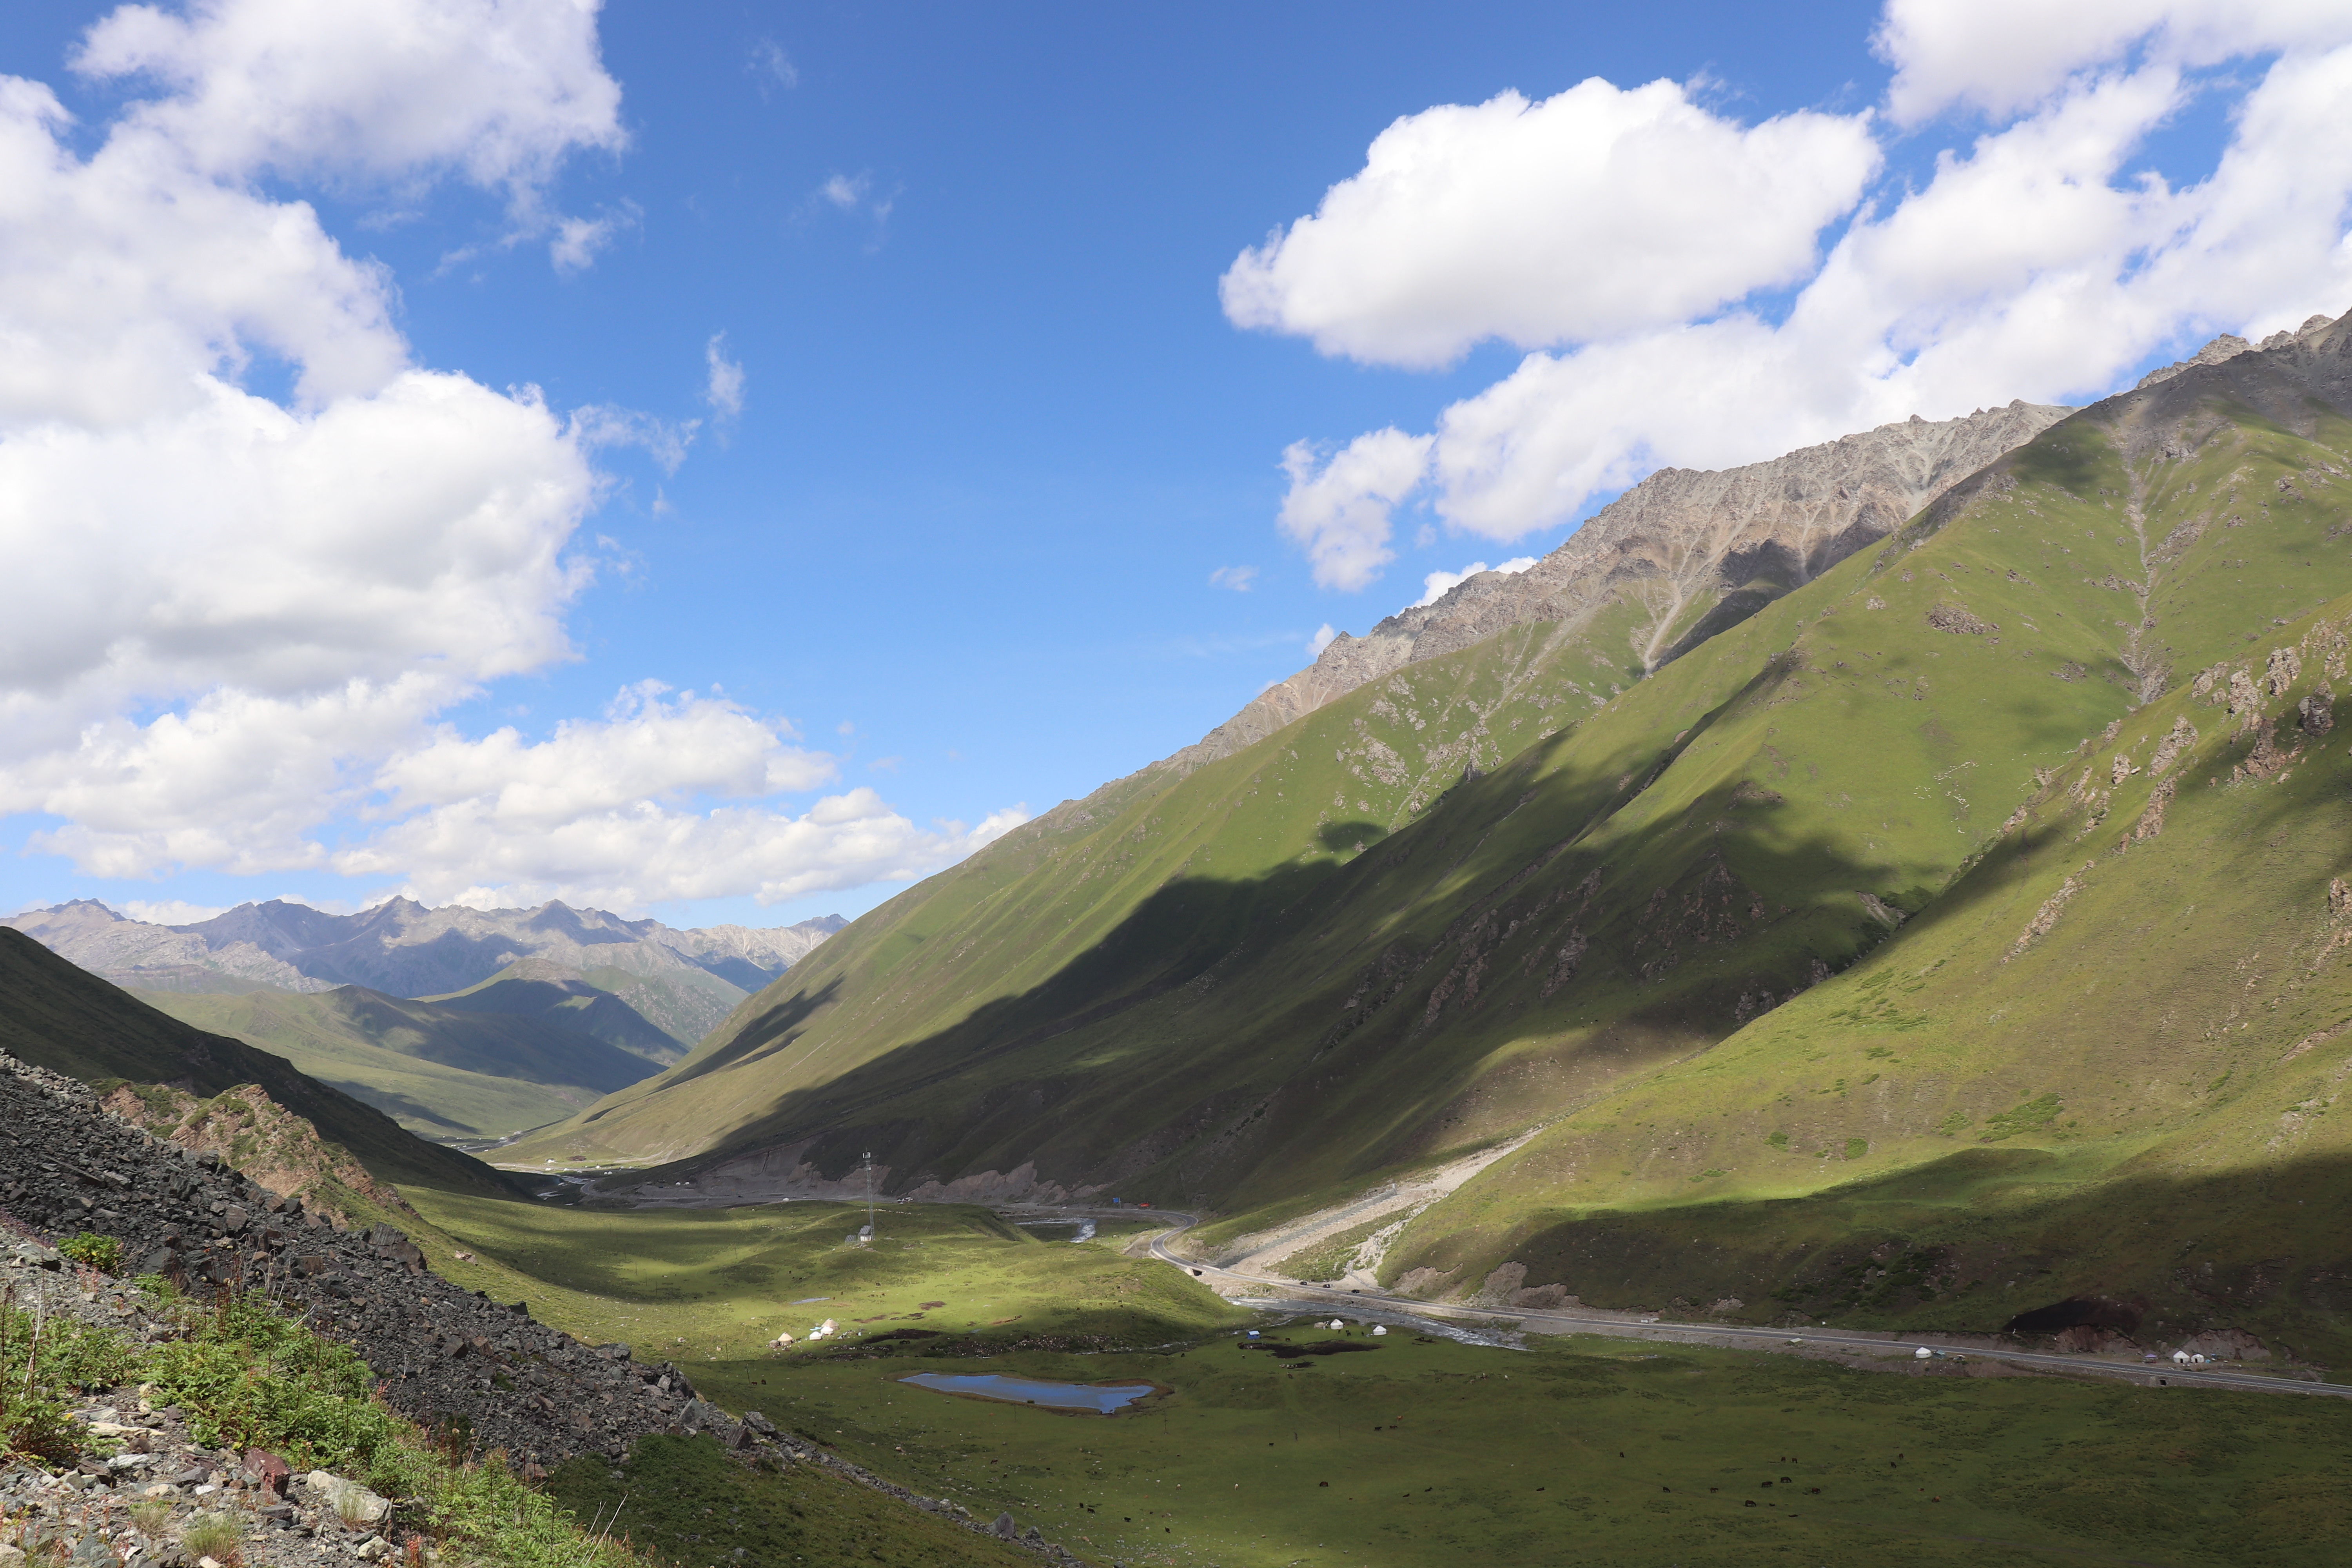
[996, 431]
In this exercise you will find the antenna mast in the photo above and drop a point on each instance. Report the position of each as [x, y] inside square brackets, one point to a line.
[869, 1194]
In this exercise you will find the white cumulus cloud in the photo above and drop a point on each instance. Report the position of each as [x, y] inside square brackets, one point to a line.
[2003, 56]
[169, 911]
[232, 627]
[498, 90]
[2039, 258]
[1338, 508]
[628, 855]
[1599, 210]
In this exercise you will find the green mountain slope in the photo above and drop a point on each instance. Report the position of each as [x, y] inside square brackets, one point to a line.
[2099, 1068]
[1231, 989]
[441, 1071]
[535, 988]
[69, 1020]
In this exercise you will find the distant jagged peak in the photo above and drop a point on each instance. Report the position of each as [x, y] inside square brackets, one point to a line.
[405, 948]
[83, 909]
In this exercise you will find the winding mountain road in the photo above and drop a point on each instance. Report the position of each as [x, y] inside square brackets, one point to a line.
[1288, 1293]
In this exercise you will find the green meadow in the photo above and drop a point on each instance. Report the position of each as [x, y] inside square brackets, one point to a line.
[714, 1286]
[687, 1501]
[1403, 1450]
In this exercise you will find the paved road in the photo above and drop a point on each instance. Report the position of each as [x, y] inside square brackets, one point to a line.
[1289, 1294]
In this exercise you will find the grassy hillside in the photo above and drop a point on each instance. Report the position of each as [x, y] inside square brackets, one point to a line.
[2101, 1065]
[683, 1004]
[440, 1068]
[1234, 988]
[537, 989]
[715, 1285]
[69, 1020]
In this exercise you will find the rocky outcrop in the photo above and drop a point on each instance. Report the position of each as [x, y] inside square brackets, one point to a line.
[1683, 543]
[2228, 345]
[1508, 1288]
[276, 1147]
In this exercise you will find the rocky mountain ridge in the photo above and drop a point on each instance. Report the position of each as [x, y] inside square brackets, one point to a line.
[1696, 548]
[402, 948]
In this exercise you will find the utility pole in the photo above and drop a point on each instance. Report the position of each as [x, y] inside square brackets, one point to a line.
[870, 1197]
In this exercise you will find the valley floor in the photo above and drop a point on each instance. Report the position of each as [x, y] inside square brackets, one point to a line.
[1402, 1449]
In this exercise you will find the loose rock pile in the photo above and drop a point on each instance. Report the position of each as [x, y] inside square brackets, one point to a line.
[451, 1360]
[67, 1166]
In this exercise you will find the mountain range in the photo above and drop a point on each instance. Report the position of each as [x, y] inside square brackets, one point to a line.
[1921, 897]
[403, 949]
[461, 1024]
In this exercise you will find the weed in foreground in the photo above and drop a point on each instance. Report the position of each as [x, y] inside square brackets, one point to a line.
[213, 1535]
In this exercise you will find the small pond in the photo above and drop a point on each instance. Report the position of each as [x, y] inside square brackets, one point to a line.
[1104, 1399]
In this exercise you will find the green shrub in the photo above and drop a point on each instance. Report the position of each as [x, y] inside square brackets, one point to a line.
[103, 1253]
[249, 1378]
[35, 1402]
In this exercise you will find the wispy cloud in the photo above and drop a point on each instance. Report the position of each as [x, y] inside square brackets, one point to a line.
[724, 390]
[579, 240]
[1237, 578]
[772, 68]
[663, 440]
[856, 195]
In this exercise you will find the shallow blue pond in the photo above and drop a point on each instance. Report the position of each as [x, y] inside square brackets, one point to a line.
[1034, 1391]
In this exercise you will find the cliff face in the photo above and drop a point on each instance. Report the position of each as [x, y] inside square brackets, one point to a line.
[1687, 552]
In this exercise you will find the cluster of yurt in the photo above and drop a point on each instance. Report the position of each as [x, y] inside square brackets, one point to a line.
[824, 1331]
